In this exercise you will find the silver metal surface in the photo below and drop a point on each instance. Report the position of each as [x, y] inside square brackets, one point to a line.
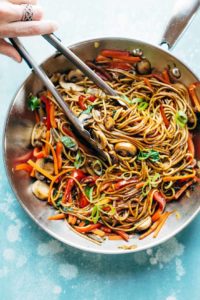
[183, 12]
[18, 128]
[77, 125]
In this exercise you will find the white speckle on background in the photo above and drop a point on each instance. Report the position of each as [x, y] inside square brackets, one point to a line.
[21, 261]
[9, 254]
[180, 271]
[171, 298]
[3, 272]
[68, 271]
[149, 251]
[166, 252]
[13, 231]
[49, 248]
[57, 289]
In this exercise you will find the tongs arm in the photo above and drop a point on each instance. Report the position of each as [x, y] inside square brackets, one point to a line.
[77, 125]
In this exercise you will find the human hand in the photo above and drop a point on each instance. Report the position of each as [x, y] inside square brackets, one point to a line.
[13, 23]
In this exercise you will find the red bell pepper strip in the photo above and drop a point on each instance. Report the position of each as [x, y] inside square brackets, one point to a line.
[87, 228]
[101, 58]
[165, 120]
[114, 53]
[92, 98]
[38, 153]
[122, 183]
[123, 234]
[160, 199]
[83, 201]
[119, 65]
[52, 115]
[76, 174]
[81, 100]
[47, 106]
[193, 95]
[90, 179]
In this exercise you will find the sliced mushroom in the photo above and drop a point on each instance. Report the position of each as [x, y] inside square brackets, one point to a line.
[96, 92]
[69, 86]
[75, 75]
[49, 167]
[125, 149]
[143, 67]
[109, 123]
[55, 77]
[143, 224]
[40, 189]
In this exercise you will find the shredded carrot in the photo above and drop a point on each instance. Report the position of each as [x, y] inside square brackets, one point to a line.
[72, 219]
[191, 145]
[59, 147]
[54, 156]
[114, 237]
[46, 147]
[23, 167]
[37, 118]
[183, 188]
[162, 220]
[165, 76]
[57, 217]
[157, 215]
[165, 120]
[140, 185]
[81, 224]
[151, 229]
[148, 83]
[32, 174]
[40, 170]
[52, 115]
[175, 178]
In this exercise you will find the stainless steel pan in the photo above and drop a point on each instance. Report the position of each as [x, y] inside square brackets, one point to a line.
[20, 121]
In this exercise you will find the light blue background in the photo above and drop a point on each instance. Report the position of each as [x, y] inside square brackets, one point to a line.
[34, 266]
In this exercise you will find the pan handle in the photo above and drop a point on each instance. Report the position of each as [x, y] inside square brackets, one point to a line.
[183, 12]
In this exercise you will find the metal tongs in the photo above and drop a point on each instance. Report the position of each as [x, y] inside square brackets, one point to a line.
[75, 122]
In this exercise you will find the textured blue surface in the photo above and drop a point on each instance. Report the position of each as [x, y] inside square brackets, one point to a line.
[35, 266]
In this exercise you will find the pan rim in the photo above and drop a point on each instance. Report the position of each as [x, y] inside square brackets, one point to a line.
[49, 231]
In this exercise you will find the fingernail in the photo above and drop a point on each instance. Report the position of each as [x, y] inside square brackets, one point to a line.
[54, 25]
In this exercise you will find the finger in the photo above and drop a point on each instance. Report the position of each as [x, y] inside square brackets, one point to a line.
[12, 13]
[23, 1]
[27, 28]
[8, 50]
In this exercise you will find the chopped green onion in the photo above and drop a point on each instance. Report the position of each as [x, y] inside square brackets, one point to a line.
[97, 167]
[33, 103]
[95, 214]
[151, 154]
[88, 192]
[181, 118]
[78, 160]
[88, 110]
[142, 105]
[68, 142]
